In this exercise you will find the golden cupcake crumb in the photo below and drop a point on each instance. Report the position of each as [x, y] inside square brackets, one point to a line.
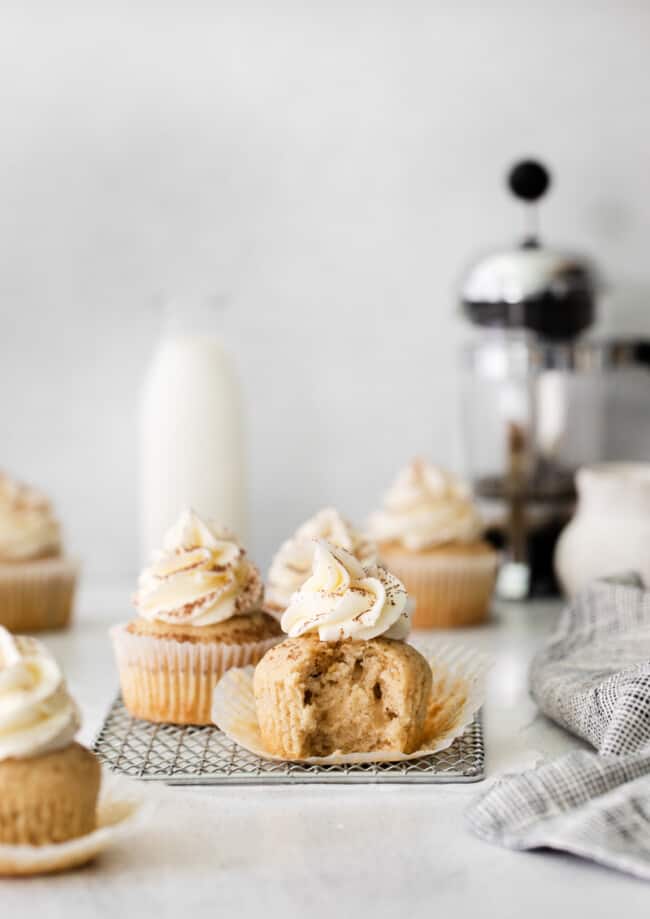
[315, 698]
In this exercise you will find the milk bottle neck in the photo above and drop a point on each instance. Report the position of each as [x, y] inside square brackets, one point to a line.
[192, 317]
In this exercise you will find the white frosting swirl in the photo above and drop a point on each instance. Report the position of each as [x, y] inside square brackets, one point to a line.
[37, 714]
[202, 576]
[28, 527]
[426, 507]
[342, 599]
[292, 563]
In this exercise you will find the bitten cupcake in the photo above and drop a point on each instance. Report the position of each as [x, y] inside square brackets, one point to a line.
[200, 612]
[292, 563]
[430, 535]
[48, 783]
[345, 681]
[37, 583]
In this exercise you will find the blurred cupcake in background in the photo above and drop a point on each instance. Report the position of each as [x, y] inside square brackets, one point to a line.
[200, 612]
[48, 782]
[37, 583]
[429, 534]
[292, 564]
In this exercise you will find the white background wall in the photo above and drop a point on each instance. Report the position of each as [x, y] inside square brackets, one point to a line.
[331, 168]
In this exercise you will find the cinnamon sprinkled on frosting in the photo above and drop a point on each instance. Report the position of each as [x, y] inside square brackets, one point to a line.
[202, 576]
[342, 599]
[37, 714]
[292, 563]
[28, 527]
[425, 507]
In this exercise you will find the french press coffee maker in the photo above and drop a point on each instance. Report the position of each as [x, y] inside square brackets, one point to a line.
[540, 398]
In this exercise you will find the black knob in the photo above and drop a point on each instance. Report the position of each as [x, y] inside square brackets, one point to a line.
[528, 180]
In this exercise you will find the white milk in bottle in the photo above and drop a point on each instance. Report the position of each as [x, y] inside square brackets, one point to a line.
[191, 429]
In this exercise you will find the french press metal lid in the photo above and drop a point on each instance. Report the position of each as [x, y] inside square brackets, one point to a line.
[530, 286]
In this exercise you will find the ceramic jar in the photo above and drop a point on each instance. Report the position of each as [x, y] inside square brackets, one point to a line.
[610, 532]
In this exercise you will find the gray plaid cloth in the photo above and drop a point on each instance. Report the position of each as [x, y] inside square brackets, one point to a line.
[593, 678]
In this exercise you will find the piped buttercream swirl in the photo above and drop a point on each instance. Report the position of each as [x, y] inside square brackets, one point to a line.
[425, 507]
[292, 563]
[200, 577]
[37, 715]
[28, 527]
[342, 599]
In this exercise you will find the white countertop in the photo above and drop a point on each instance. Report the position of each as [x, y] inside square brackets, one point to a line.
[382, 851]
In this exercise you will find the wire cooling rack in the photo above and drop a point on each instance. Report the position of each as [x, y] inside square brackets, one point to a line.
[206, 756]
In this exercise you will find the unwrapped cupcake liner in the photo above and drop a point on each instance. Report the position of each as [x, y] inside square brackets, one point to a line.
[119, 811]
[173, 681]
[37, 595]
[457, 694]
[449, 590]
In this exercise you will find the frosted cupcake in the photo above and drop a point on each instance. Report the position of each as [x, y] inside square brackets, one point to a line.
[345, 680]
[199, 612]
[37, 582]
[48, 783]
[292, 563]
[430, 535]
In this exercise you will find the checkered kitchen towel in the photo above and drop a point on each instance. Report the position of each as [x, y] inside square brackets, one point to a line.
[593, 677]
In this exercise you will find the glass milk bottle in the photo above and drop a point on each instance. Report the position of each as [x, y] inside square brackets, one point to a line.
[191, 428]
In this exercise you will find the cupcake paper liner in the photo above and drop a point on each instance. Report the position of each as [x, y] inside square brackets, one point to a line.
[119, 811]
[173, 681]
[37, 595]
[449, 591]
[458, 692]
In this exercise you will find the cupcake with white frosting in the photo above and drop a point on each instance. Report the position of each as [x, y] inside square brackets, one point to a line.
[48, 783]
[200, 612]
[430, 535]
[291, 565]
[345, 680]
[37, 581]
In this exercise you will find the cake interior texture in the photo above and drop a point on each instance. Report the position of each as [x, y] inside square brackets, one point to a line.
[315, 698]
